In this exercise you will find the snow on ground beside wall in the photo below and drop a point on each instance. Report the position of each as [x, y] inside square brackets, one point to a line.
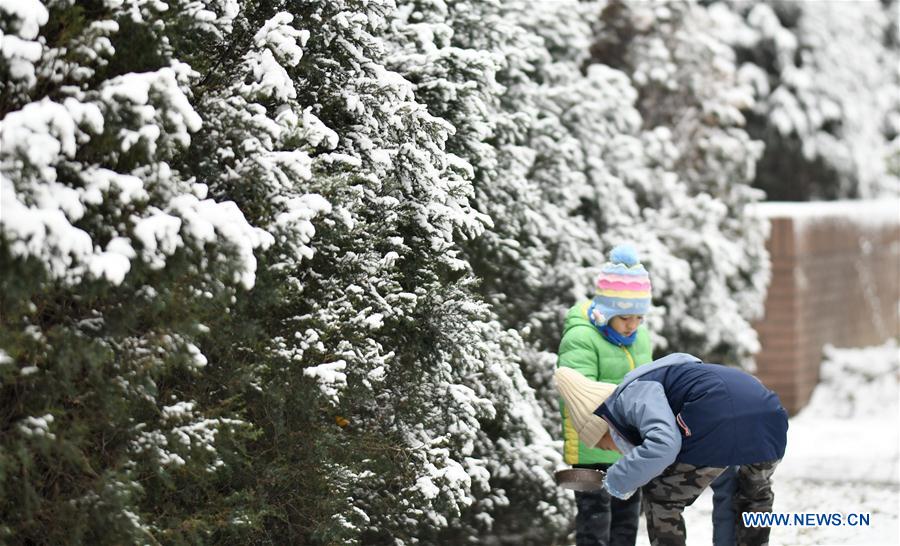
[842, 457]
[874, 212]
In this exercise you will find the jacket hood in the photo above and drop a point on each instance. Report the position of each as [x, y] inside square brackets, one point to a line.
[577, 316]
[668, 360]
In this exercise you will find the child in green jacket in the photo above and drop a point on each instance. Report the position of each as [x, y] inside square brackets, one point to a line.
[603, 339]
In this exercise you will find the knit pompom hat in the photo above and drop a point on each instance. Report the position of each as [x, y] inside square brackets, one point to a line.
[582, 397]
[623, 286]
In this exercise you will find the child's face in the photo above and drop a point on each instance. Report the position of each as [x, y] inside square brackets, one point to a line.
[626, 324]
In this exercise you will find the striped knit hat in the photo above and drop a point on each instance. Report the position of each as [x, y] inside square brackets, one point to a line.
[623, 287]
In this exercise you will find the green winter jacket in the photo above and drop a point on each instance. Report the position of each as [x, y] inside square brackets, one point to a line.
[584, 349]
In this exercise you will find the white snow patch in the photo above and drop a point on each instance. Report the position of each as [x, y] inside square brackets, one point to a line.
[37, 426]
[178, 411]
[877, 212]
[330, 378]
[28, 16]
[377, 374]
[198, 359]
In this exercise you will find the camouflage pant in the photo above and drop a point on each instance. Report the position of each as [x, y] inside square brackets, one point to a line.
[740, 489]
[665, 497]
[753, 494]
[680, 484]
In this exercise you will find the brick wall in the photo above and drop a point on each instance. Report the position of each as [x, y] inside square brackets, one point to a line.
[835, 280]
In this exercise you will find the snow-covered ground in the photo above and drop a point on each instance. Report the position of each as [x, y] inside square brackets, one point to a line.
[842, 457]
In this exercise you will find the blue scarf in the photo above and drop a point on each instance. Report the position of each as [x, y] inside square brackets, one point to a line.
[609, 334]
[615, 337]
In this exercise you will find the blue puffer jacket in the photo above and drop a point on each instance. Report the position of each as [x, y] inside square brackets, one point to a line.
[679, 409]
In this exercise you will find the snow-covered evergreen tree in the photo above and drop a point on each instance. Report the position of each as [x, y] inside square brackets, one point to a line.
[433, 390]
[461, 72]
[115, 263]
[688, 85]
[242, 245]
[826, 84]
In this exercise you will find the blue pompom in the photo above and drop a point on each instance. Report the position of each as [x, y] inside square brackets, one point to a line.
[624, 254]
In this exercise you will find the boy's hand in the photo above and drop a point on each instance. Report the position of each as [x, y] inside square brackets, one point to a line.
[606, 442]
